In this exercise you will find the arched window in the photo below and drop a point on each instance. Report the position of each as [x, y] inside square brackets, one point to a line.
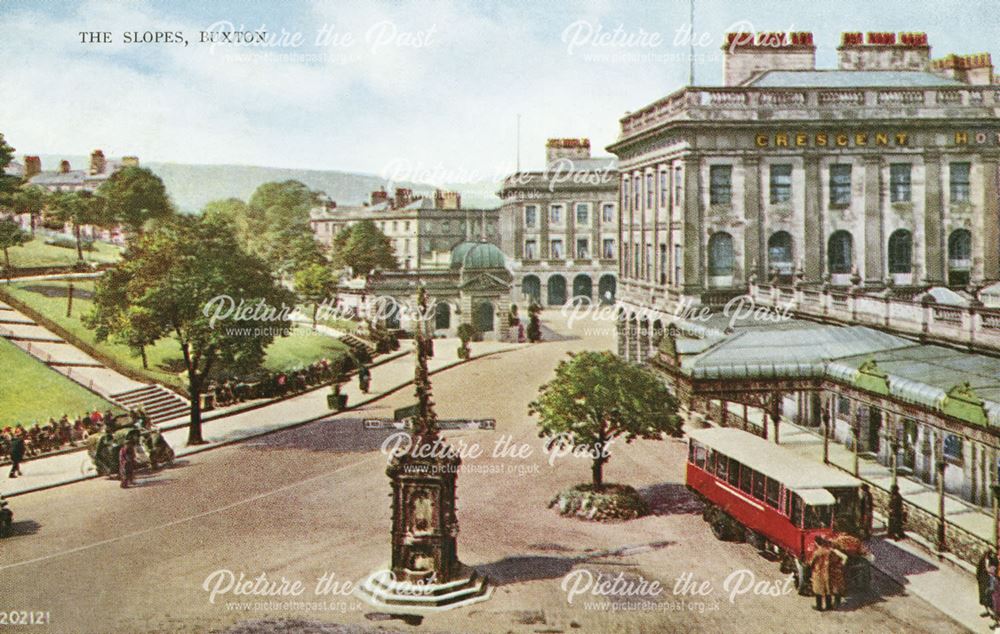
[720, 254]
[779, 252]
[557, 290]
[531, 288]
[960, 248]
[840, 252]
[606, 288]
[900, 251]
[583, 286]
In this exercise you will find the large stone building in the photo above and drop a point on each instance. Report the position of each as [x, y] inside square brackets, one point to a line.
[423, 230]
[559, 226]
[883, 170]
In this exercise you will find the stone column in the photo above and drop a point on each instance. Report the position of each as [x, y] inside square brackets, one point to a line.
[814, 248]
[874, 239]
[754, 239]
[934, 252]
[991, 219]
[694, 235]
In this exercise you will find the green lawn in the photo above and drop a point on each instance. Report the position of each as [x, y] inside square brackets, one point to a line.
[32, 392]
[165, 360]
[37, 253]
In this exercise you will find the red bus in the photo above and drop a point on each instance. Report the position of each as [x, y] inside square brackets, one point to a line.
[774, 498]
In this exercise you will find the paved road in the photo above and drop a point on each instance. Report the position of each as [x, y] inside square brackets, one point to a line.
[314, 500]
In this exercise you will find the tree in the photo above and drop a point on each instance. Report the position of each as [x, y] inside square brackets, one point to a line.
[278, 216]
[314, 285]
[190, 274]
[78, 208]
[134, 196]
[364, 248]
[595, 398]
[11, 235]
[30, 200]
[534, 323]
[9, 183]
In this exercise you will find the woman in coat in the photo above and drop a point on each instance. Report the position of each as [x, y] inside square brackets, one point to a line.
[819, 565]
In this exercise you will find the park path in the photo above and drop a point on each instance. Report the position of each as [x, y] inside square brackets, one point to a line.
[222, 430]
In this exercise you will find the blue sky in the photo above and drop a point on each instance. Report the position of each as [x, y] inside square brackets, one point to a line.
[411, 90]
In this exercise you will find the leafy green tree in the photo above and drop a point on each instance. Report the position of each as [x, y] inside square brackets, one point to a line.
[188, 274]
[314, 285]
[595, 398]
[11, 235]
[134, 196]
[364, 248]
[30, 200]
[9, 183]
[277, 224]
[78, 208]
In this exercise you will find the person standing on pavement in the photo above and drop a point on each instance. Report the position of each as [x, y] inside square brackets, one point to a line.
[364, 378]
[819, 565]
[126, 463]
[867, 508]
[17, 449]
[984, 580]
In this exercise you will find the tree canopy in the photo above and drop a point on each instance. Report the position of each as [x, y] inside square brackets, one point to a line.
[596, 398]
[134, 196]
[9, 183]
[78, 208]
[11, 235]
[363, 248]
[314, 285]
[182, 280]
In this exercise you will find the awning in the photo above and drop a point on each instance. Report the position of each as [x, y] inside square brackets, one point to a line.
[815, 497]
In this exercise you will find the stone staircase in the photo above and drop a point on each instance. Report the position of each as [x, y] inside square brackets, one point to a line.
[358, 345]
[159, 403]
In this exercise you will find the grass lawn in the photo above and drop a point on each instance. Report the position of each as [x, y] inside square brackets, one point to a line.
[37, 253]
[300, 348]
[32, 392]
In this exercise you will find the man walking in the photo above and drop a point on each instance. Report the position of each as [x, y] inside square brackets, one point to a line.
[126, 463]
[17, 449]
[867, 506]
[819, 564]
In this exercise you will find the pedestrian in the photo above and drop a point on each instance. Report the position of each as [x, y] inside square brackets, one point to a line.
[897, 514]
[364, 378]
[126, 462]
[819, 565]
[836, 571]
[867, 508]
[984, 580]
[17, 449]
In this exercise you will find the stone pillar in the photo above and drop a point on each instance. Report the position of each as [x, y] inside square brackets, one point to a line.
[694, 235]
[621, 338]
[633, 341]
[934, 251]
[991, 219]
[874, 238]
[754, 248]
[814, 248]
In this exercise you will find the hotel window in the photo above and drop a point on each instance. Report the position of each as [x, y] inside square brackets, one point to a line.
[953, 447]
[583, 249]
[840, 185]
[636, 255]
[663, 264]
[530, 216]
[677, 186]
[781, 183]
[530, 250]
[650, 191]
[900, 251]
[678, 259]
[720, 185]
[960, 182]
[720, 254]
[406, 226]
[556, 252]
[609, 249]
[840, 252]
[625, 260]
[625, 198]
[637, 194]
[608, 214]
[395, 226]
[582, 214]
[649, 263]
[555, 215]
[664, 189]
[899, 182]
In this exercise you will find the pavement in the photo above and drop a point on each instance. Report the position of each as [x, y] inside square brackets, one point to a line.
[247, 422]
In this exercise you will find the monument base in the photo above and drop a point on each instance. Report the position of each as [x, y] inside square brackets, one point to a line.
[380, 590]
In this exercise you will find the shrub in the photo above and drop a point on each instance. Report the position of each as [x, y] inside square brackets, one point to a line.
[610, 502]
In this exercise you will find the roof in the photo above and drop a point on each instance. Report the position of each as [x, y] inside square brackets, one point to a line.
[851, 79]
[477, 255]
[774, 461]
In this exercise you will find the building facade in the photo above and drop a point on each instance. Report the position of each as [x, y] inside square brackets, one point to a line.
[423, 230]
[881, 172]
[559, 227]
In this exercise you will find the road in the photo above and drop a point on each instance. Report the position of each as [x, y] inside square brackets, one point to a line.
[314, 501]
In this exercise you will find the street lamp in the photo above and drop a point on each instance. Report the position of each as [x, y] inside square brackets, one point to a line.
[826, 432]
[995, 490]
[940, 529]
[895, 498]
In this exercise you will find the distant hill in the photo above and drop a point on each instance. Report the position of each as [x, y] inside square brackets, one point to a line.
[191, 186]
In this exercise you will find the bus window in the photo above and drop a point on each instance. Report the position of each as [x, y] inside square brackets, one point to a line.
[758, 485]
[846, 515]
[746, 480]
[721, 466]
[818, 516]
[734, 472]
[709, 460]
[796, 514]
[773, 489]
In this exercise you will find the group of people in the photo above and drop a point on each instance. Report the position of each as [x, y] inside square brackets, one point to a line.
[278, 384]
[19, 443]
[827, 565]
[116, 451]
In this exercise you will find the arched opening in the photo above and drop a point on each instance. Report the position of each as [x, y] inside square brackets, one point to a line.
[482, 317]
[442, 316]
[583, 287]
[606, 287]
[840, 253]
[557, 290]
[720, 259]
[531, 288]
[779, 253]
[959, 257]
[901, 256]
[392, 314]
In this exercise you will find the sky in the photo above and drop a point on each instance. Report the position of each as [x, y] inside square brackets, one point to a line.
[425, 91]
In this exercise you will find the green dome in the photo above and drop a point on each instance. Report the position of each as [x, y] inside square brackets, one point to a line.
[477, 255]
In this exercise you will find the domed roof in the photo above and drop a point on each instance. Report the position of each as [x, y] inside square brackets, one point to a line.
[477, 255]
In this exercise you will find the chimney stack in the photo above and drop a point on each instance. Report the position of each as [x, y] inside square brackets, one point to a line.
[63, 166]
[884, 51]
[130, 161]
[32, 166]
[746, 55]
[573, 149]
[447, 200]
[97, 162]
[972, 69]
[380, 196]
[404, 196]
